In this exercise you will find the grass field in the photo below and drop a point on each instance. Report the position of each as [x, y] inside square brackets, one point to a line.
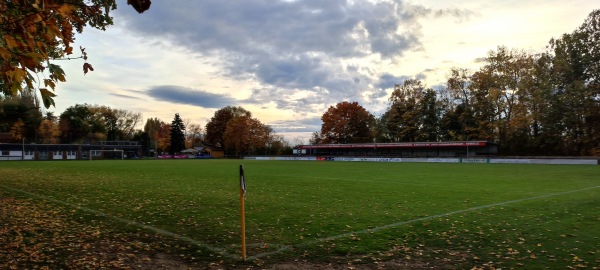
[338, 214]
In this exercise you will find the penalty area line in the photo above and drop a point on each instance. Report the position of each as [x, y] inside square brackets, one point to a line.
[401, 223]
[126, 221]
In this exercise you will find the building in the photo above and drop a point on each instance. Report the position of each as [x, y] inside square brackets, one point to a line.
[403, 149]
[101, 150]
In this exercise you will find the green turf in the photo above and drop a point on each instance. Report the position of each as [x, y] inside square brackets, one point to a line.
[319, 210]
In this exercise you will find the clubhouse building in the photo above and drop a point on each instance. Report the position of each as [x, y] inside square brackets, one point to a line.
[100, 150]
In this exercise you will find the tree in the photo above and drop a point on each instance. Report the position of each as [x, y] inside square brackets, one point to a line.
[429, 116]
[458, 85]
[163, 138]
[484, 113]
[277, 145]
[48, 131]
[17, 131]
[452, 125]
[117, 124]
[501, 96]
[193, 135]
[74, 123]
[576, 81]
[315, 138]
[84, 122]
[22, 107]
[246, 135]
[36, 32]
[126, 123]
[215, 128]
[401, 121]
[152, 130]
[177, 135]
[347, 122]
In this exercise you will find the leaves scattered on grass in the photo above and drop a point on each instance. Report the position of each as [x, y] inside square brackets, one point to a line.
[35, 235]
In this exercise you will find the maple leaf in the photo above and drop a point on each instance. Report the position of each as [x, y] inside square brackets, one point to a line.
[87, 67]
[47, 97]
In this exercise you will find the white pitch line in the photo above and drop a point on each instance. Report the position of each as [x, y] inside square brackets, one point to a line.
[397, 224]
[128, 222]
[288, 247]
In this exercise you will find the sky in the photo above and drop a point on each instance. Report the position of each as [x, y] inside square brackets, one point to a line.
[288, 61]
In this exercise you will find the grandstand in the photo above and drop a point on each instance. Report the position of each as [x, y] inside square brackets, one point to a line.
[402, 149]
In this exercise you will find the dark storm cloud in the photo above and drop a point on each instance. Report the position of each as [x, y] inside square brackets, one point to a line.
[188, 96]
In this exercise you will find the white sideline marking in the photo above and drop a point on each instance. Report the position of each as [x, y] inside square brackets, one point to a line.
[288, 247]
[128, 222]
[397, 224]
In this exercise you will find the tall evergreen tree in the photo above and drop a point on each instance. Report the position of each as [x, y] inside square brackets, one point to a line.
[177, 135]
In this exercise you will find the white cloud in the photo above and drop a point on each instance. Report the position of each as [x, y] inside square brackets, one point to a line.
[286, 61]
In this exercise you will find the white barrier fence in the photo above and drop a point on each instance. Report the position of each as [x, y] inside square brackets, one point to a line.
[558, 161]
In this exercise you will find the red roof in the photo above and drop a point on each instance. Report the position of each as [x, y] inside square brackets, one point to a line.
[398, 145]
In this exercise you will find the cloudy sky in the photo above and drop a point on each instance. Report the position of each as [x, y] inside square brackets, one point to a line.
[287, 61]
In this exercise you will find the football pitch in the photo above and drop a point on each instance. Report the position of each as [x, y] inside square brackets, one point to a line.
[369, 214]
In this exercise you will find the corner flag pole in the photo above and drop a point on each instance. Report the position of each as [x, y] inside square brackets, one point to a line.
[243, 210]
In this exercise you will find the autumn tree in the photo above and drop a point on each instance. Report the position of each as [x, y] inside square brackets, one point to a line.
[177, 132]
[117, 124]
[163, 138]
[347, 122]
[84, 122]
[401, 121]
[501, 96]
[36, 32]
[127, 122]
[22, 108]
[458, 85]
[149, 135]
[48, 131]
[215, 128]
[76, 124]
[152, 128]
[315, 138]
[457, 122]
[576, 81]
[246, 135]
[17, 131]
[193, 135]
[278, 146]
[429, 114]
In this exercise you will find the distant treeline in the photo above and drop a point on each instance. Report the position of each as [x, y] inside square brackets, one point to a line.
[543, 103]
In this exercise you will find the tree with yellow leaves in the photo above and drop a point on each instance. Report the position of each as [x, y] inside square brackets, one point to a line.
[35, 32]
